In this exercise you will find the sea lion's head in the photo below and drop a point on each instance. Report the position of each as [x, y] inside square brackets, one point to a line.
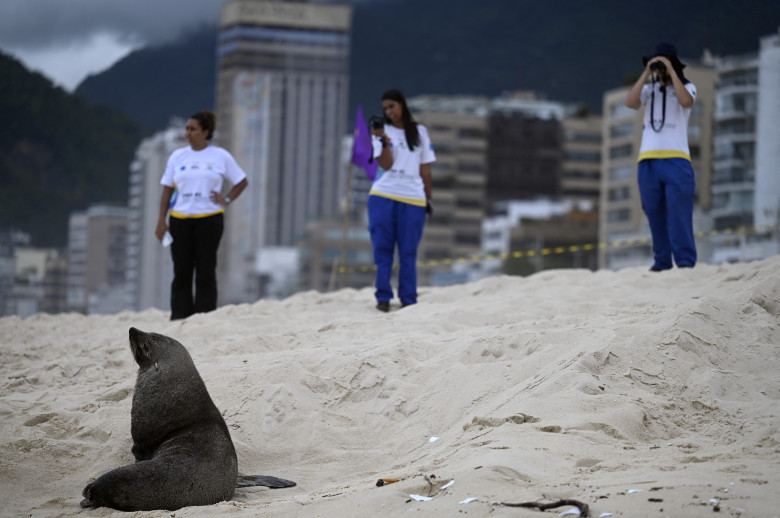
[149, 348]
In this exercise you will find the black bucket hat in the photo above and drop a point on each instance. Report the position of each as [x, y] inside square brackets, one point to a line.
[667, 50]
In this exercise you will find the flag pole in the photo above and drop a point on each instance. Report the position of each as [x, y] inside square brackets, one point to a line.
[362, 156]
[345, 227]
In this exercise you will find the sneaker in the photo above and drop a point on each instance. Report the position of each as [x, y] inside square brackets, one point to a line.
[383, 306]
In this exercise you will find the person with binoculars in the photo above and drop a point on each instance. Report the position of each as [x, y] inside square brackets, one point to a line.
[400, 197]
[664, 173]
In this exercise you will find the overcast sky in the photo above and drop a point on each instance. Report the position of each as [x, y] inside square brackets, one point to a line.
[68, 39]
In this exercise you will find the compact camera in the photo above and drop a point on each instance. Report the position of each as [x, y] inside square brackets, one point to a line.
[658, 67]
[376, 122]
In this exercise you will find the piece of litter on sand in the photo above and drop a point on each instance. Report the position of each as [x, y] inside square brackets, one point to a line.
[384, 481]
[468, 500]
[421, 498]
[433, 439]
[448, 484]
[605, 515]
[574, 511]
[635, 490]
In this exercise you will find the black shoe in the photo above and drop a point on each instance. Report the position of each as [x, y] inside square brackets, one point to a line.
[404, 304]
[654, 269]
[383, 306]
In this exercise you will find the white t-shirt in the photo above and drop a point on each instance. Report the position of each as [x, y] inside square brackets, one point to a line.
[402, 182]
[672, 140]
[194, 174]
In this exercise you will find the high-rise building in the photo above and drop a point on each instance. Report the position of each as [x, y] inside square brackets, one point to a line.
[149, 264]
[621, 219]
[41, 281]
[525, 154]
[97, 257]
[768, 145]
[10, 241]
[282, 94]
[581, 169]
[746, 186]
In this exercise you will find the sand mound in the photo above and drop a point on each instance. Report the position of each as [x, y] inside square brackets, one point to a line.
[565, 384]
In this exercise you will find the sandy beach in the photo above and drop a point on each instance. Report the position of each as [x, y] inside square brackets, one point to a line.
[636, 393]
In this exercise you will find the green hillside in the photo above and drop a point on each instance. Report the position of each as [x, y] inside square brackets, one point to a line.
[58, 153]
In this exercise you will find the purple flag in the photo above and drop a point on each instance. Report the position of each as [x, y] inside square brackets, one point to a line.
[362, 148]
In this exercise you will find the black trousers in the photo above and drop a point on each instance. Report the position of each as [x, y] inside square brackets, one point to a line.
[194, 252]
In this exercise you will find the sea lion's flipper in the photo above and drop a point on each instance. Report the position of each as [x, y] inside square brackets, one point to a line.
[262, 480]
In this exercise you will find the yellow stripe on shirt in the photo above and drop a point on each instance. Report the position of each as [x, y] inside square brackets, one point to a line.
[410, 201]
[179, 215]
[664, 153]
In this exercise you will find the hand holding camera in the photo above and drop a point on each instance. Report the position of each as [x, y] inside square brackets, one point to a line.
[377, 125]
[659, 65]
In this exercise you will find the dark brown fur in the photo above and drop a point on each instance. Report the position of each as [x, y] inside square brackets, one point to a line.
[182, 447]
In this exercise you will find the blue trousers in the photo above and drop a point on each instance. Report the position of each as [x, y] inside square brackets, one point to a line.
[393, 223]
[666, 188]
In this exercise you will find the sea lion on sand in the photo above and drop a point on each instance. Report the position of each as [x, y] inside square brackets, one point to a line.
[182, 447]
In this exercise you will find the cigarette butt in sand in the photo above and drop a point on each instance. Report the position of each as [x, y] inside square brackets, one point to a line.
[382, 481]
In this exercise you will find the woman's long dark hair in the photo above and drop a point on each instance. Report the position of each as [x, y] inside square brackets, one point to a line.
[410, 126]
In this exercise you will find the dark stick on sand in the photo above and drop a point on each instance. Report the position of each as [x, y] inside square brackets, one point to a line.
[552, 505]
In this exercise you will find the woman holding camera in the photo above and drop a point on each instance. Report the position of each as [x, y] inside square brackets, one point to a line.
[399, 198]
[665, 175]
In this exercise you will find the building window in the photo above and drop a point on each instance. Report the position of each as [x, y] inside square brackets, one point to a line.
[471, 133]
[623, 172]
[584, 156]
[735, 150]
[733, 201]
[621, 111]
[620, 151]
[470, 167]
[622, 130]
[734, 175]
[739, 78]
[619, 194]
[742, 102]
[573, 136]
[618, 216]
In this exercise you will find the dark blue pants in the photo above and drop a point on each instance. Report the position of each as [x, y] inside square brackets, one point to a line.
[194, 251]
[393, 223]
[667, 187]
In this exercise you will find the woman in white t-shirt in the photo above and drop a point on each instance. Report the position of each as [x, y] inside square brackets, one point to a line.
[399, 198]
[192, 183]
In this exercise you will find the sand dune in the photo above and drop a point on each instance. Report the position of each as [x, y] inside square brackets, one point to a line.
[638, 393]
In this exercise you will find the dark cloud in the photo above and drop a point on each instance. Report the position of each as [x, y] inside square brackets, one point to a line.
[38, 24]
